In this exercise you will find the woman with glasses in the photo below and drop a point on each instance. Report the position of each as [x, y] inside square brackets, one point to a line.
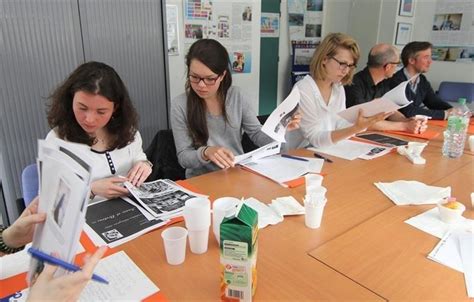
[323, 96]
[208, 119]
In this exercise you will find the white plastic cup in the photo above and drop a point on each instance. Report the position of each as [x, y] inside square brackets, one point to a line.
[471, 142]
[313, 214]
[198, 241]
[313, 181]
[316, 195]
[222, 207]
[449, 215]
[197, 213]
[174, 240]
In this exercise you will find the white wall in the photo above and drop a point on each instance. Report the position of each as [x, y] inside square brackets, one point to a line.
[335, 19]
[439, 70]
[250, 82]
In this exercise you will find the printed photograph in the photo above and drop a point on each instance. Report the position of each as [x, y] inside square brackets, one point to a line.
[296, 19]
[447, 22]
[314, 5]
[60, 204]
[313, 31]
[193, 31]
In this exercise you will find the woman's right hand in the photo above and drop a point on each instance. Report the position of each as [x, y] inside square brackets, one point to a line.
[222, 157]
[110, 187]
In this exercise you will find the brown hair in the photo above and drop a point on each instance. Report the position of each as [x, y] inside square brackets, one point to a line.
[328, 48]
[411, 50]
[100, 79]
[212, 54]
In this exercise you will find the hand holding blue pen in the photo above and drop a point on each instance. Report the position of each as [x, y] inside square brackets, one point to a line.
[58, 262]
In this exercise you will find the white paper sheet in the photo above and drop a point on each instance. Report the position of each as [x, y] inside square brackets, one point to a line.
[430, 223]
[267, 150]
[282, 169]
[276, 123]
[466, 247]
[389, 102]
[126, 281]
[346, 149]
[447, 251]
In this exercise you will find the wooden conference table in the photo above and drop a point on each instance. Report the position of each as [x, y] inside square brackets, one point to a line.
[362, 251]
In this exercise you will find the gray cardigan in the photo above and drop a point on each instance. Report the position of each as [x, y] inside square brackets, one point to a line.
[241, 118]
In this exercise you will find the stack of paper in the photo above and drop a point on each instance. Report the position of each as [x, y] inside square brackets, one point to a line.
[274, 213]
[405, 192]
[351, 149]
[282, 169]
[455, 250]
[65, 175]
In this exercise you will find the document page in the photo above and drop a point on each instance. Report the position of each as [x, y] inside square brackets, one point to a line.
[276, 124]
[346, 149]
[391, 101]
[127, 282]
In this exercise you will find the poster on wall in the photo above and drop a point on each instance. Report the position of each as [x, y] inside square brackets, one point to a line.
[172, 29]
[270, 25]
[305, 18]
[229, 22]
[452, 31]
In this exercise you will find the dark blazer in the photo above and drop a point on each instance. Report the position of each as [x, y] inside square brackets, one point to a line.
[424, 95]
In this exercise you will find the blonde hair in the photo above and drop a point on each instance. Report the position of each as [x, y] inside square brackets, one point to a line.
[328, 48]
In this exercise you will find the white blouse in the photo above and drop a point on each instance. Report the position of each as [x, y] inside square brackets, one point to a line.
[319, 119]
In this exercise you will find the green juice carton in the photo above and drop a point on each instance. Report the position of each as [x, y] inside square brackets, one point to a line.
[238, 255]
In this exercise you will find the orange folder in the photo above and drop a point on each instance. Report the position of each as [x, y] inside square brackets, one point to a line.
[428, 134]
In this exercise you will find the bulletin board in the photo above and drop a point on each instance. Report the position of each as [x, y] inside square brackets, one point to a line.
[305, 19]
[452, 32]
[229, 22]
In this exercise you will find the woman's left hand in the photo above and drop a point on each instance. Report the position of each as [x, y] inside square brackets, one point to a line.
[294, 123]
[139, 173]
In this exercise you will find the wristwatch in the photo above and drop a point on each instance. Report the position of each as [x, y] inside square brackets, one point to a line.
[5, 248]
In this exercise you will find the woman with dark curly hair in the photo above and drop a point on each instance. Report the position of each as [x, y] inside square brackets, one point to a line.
[92, 107]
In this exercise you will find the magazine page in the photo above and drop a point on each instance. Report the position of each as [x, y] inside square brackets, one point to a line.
[163, 198]
[267, 150]
[65, 186]
[116, 221]
[276, 124]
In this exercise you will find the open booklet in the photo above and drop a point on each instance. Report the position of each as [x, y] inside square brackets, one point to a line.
[65, 175]
[391, 101]
[162, 198]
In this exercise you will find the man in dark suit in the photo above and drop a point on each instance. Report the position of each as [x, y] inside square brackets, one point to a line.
[416, 58]
[372, 82]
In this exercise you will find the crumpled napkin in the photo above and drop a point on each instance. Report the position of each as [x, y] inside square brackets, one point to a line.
[274, 212]
[410, 192]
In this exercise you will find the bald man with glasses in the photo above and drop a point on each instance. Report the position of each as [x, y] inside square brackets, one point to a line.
[372, 82]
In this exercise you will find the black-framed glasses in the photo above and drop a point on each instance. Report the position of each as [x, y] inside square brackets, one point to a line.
[207, 81]
[344, 65]
[394, 63]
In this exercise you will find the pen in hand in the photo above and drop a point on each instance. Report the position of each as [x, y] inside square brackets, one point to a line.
[61, 263]
[323, 157]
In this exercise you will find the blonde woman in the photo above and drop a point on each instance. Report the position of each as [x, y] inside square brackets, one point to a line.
[322, 93]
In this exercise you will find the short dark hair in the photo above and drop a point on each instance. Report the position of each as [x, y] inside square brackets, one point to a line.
[411, 50]
[214, 55]
[100, 79]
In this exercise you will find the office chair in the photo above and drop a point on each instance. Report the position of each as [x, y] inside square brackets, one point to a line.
[451, 91]
[247, 144]
[162, 154]
[29, 183]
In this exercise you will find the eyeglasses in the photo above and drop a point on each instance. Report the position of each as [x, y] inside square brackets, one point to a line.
[207, 81]
[344, 65]
[394, 63]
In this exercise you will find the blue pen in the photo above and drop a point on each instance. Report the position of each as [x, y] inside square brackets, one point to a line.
[293, 157]
[55, 261]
